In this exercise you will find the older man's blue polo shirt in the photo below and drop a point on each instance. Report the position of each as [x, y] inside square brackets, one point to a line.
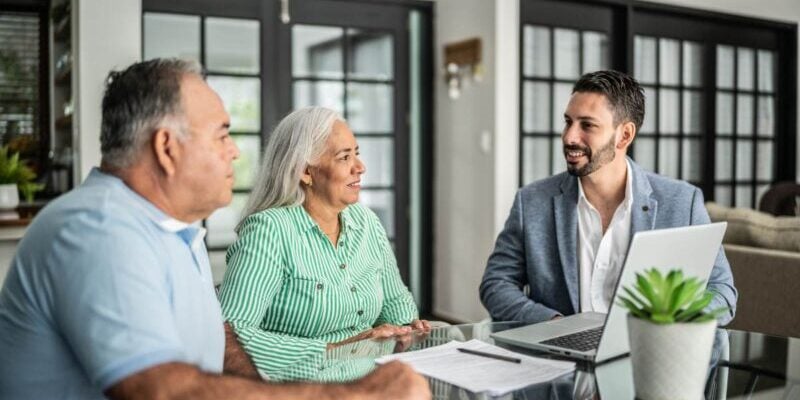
[104, 285]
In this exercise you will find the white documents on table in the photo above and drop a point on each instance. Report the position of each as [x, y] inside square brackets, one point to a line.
[478, 373]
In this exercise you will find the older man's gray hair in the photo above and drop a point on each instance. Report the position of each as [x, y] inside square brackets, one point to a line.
[137, 102]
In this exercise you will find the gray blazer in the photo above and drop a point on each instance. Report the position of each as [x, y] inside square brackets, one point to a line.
[538, 246]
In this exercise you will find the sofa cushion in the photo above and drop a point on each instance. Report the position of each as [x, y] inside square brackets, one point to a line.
[754, 228]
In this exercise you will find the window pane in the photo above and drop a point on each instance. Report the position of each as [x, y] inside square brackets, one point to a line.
[371, 54]
[536, 56]
[650, 107]
[760, 190]
[566, 54]
[561, 95]
[246, 167]
[723, 195]
[232, 45]
[595, 51]
[382, 203]
[744, 195]
[377, 154]
[645, 152]
[744, 69]
[692, 64]
[325, 94]
[724, 113]
[668, 56]
[644, 59]
[692, 112]
[221, 223]
[725, 67]
[723, 154]
[668, 157]
[744, 159]
[536, 101]
[559, 164]
[317, 51]
[766, 116]
[242, 99]
[744, 114]
[183, 32]
[766, 71]
[535, 158]
[764, 162]
[370, 107]
[668, 111]
[692, 168]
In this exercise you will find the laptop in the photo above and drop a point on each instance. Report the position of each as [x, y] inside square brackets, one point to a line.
[600, 337]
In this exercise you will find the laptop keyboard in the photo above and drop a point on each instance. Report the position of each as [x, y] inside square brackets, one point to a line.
[580, 341]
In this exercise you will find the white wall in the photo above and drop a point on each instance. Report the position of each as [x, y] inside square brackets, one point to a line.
[474, 189]
[109, 37]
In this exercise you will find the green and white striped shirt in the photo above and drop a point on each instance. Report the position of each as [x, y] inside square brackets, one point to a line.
[288, 291]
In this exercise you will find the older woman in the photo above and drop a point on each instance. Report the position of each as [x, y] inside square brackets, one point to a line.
[312, 269]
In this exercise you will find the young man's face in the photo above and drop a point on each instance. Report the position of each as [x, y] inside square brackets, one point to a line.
[590, 138]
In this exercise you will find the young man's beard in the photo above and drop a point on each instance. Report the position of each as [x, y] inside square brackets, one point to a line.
[604, 155]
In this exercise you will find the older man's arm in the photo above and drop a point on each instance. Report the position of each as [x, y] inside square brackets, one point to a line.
[721, 279]
[501, 289]
[237, 362]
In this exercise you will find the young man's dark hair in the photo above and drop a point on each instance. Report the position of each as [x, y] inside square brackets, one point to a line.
[624, 94]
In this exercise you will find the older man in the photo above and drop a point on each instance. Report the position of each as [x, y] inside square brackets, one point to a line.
[567, 236]
[110, 292]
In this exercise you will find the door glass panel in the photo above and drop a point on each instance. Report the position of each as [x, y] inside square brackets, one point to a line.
[692, 160]
[536, 160]
[645, 59]
[382, 203]
[668, 111]
[723, 154]
[725, 66]
[650, 107]
[744, 159]
[692, 112]
[766, 71]
[183, 32]
[370, 55]
[319, 93]
[645, 152]
[223, 221]
[744, 114]
[558, 163]
[536, 51]
[242, 99]
[668, 58]
[537, 103]
[561, 95]
[723, 195]
[764, 161]
[595, 51]
[766, 116]
[725, 113]
[246, 167]
[232, 45]
[377, 154]
[744, 69]
[692, 64]
[370, 107]
[744, 195]
[668, 157]
[317, 51]
[567, 65]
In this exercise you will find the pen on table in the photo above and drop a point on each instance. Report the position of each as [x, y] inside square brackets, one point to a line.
[490, 355]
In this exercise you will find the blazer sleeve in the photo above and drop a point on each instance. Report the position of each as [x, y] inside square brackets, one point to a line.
[721, 279]
[501, 289]
[252, 280]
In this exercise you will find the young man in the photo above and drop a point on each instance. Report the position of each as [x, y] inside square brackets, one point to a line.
[110, 292]
[567, 236]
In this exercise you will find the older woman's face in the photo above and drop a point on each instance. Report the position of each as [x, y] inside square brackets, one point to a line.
[337, 176]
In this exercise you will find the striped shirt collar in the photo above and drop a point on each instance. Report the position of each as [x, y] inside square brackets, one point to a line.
[306, 223]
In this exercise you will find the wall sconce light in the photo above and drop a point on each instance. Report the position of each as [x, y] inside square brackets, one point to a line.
[462, 64]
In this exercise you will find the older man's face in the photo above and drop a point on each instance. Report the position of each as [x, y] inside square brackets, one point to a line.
[206, 170]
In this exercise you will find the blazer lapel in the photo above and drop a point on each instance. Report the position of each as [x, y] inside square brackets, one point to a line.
[644, 208]
[566, 220]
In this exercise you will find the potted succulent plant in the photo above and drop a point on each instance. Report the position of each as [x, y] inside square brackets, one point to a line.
[671, 334]
[15, 178]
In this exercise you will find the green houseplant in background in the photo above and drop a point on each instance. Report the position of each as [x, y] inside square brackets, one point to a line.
[15, 178]
[671, 333]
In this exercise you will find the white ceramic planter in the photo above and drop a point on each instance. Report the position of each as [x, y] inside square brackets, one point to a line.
[9, 196]
[670, 361]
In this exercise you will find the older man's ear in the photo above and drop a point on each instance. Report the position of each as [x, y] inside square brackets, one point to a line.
[167, 150]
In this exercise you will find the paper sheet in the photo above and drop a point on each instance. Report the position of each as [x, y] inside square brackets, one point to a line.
[481, 374]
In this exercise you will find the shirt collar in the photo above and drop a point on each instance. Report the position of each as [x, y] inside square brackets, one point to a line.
[306, 223]
[627, 202]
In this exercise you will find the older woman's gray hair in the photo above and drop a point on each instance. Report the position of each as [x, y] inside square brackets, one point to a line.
[297, 142]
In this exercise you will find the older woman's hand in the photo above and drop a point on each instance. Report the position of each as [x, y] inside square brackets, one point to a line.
[384, 331]
[421, 325]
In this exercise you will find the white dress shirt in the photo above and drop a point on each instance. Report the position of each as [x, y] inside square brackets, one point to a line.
[600, 255]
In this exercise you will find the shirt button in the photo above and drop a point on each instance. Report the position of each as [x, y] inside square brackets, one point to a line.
[360, 312]
[352, 328]
[353, 289]
[343, 266]
[319, 286]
